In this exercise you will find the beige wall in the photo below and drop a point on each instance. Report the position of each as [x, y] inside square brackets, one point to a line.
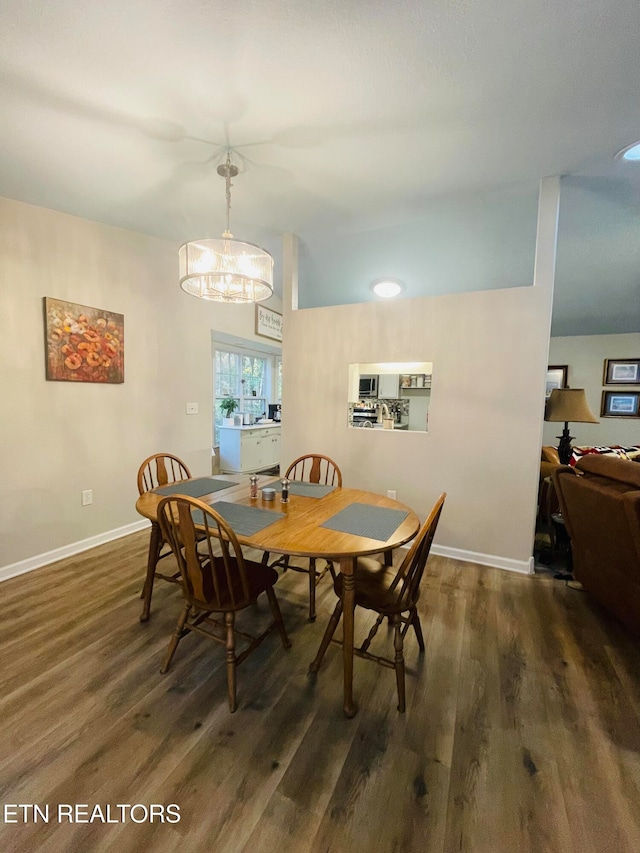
[58, 438]
[489, 353]
[585, 357]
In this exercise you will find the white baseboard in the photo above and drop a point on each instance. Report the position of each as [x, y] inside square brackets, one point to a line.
[523, 567]
[40, 560]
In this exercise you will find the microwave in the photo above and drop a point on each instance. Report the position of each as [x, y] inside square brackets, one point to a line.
[368, 386]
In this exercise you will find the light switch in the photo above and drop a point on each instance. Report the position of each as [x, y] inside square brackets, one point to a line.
[192, 408]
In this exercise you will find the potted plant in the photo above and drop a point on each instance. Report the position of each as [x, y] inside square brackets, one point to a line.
[228, 406]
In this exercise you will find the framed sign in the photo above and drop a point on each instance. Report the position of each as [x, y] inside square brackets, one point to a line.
[620, 404]
[268, 323]
[621, 371]
[556, 377]
[83, 344]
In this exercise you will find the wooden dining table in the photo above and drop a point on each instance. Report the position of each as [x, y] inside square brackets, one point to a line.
[299, 532]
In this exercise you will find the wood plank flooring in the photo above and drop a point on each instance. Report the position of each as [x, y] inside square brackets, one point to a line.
[522, 730]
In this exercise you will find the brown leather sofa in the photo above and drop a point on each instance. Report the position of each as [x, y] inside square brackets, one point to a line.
[547, 503]
[549, 461]
[600, 503]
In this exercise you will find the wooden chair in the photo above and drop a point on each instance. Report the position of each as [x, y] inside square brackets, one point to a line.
[158, 470]
[213, 583]
[392, 594]
[310, 468]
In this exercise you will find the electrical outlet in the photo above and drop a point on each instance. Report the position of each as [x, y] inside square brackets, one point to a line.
[87, 497]
[192, 408]
[391, 493]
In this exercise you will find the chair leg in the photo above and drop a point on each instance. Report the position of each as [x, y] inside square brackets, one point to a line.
[388, 558]
[277, 617]
[399, 661]
[176, 637]
[312, 589]
[417, 627]
[229, 620]
[155, 546]
[372, 633]
[314, 666]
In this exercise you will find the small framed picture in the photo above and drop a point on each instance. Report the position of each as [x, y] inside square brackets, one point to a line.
[556, 377]
[620, 404]
[268, 323]
[621, 371]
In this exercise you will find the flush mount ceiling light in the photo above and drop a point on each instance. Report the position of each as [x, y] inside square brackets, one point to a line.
[631, 154]
[223, 269]
[387, 287]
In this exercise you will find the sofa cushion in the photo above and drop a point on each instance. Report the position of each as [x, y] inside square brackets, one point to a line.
[617, 470]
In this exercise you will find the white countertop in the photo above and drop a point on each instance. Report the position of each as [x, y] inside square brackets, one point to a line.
[254, 426]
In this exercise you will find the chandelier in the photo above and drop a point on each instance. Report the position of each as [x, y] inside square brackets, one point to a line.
[223, 269]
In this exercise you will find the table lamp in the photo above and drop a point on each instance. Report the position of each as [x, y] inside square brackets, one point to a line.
[568, 405]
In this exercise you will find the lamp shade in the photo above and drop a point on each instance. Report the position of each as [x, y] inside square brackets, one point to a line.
[569, 405]
[226, 270]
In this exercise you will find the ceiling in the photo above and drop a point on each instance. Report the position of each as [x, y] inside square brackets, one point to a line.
[403, 138]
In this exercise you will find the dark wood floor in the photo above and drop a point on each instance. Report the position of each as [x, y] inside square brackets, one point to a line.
[522, 730]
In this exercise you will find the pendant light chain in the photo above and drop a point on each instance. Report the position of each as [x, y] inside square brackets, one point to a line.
[226, 270]
[228, 233]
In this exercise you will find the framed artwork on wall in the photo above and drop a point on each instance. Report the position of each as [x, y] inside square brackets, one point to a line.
[83, 344]
[620, 404]
[621, 371]
[556, 377]
[268, 323]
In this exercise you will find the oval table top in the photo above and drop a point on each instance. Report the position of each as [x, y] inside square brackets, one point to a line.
[299, 532]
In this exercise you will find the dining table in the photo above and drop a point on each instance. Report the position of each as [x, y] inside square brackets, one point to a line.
[333, 523]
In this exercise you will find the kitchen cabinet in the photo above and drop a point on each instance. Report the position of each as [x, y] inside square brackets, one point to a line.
[246, 449]
[388, 386]
[415, 380]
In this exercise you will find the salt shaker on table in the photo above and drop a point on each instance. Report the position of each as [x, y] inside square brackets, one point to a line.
[253, 488]
[284, 497]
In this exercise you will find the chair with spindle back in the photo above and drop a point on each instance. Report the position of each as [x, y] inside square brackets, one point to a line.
[311, 468]
[215, 583]
[391, 593]
[161, 469]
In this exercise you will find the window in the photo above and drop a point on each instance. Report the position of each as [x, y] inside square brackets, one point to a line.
[253, 380]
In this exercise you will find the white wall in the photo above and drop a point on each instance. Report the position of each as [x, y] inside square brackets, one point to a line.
[489, 354]
[585, 356]
[58, 438]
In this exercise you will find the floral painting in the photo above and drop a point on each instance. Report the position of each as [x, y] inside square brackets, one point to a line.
[83, 344]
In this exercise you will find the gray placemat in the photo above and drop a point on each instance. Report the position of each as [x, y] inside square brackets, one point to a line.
[195, 488]
[374, 522]
[245, 520]
[305, 490]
